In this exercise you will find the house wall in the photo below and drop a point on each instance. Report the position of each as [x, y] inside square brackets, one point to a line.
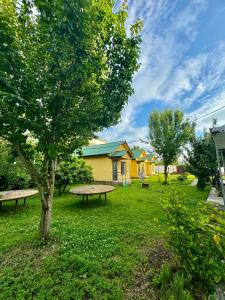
[150, 168]
[127, 175]
[133, 168]
[101, 167]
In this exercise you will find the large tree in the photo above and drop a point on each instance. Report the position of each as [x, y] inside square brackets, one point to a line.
[201, 161]
[169, 131]
[66, 71]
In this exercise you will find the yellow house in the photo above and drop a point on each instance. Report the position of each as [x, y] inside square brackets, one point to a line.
[110, 162]
[142, 163]
[150, 164]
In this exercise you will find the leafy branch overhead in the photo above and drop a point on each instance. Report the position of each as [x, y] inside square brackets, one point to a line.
[66, 73]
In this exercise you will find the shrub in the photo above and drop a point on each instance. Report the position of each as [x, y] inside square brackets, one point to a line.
[182, 177]
[197, 238]
[201, 161]
[74, 170]
[13, 174]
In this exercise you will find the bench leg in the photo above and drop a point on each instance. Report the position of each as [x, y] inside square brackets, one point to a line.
[105, 198]
[24, 202]
[0, 204]
[86, 199]
[16, 204]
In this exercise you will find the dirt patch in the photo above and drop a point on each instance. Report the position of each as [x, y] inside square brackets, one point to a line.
[27, 254]
[141, 287]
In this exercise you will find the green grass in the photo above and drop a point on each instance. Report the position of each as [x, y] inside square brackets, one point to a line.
[94, 250]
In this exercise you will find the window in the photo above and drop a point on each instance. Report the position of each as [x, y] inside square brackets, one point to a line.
[123, 168]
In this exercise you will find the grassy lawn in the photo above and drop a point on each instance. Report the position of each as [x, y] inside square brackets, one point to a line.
[94, 250]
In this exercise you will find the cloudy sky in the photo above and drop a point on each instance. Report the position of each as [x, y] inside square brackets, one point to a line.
[182, 64]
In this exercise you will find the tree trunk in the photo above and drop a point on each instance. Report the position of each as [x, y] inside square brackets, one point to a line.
[45, 182]
[166, 174]
[46, 192]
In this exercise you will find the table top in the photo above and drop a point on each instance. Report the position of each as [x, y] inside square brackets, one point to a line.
[92, 189]
[16, 194]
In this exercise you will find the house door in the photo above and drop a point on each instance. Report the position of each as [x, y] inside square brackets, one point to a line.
[115, 177]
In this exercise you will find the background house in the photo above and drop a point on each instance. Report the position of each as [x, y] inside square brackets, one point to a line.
[110, 162]
[142, 163]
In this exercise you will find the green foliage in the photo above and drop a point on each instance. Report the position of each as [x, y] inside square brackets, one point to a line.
[64, 92]
[136, 147]
[201, 160]
[182, 177]
[197, 237]
[13, 174]
[73, 170]
[169, 131]
[175, 290]
[164, 277]
[65, 73]
[171, 285]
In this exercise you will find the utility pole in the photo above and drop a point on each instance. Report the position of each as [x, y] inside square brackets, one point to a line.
[218, 135]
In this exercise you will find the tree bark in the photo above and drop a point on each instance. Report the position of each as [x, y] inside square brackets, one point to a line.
[166, 174]
[46, 191]
[45, 183]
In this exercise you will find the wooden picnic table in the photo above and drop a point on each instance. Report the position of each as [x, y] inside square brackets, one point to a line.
[16, 195]
[89, 190]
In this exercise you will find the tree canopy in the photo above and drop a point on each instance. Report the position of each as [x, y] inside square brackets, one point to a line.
[66, 72]
[168, 132]
[201, 160]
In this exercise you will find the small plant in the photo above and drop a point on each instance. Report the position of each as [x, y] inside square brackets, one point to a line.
[197, 238]
[171, 285]
[176, 290]
[164, 278]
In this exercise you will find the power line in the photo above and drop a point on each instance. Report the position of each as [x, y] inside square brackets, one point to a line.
[203, 116]
[212, 112]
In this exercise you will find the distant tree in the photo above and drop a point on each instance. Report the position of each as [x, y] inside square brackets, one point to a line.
[136, 147]
[169, 131]
[65, 73]
[72, 170]
[201, 160]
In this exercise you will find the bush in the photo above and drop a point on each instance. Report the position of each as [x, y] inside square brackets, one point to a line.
[201, 161]
[197, 238]
[182, 177]
[13, 174]
[74, 170]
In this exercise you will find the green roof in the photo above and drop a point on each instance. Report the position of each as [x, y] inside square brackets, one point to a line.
[119, 153]
[137, 153]
[150, 156]
[101, 149]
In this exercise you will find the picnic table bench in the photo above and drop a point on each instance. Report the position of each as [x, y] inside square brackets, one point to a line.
[16, 195]
[89, 190]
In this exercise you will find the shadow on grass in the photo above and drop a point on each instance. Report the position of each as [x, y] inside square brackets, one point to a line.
[92, 203]
[11, 210]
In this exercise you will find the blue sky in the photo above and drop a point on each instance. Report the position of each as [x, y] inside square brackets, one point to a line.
[182, 64]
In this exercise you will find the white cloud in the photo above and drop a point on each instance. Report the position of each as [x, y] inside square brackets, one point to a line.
[167, 74]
